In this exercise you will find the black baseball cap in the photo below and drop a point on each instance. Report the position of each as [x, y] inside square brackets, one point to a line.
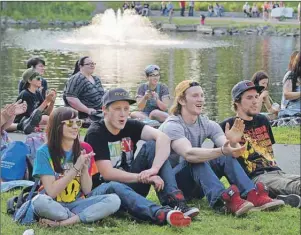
[243, 86]
[116, 94]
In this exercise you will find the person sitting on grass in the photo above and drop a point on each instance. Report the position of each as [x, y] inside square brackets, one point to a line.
[258, 160]
[152, 97]
[39, 65]
[62, 165]
[291, 97]
[114, 141]
[8, 114]
[83, 91]
[260, 78]
[199, 169]
[38, 108]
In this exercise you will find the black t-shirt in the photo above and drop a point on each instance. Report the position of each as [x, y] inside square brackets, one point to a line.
[33, 100]
[118, 148]
[258, 137]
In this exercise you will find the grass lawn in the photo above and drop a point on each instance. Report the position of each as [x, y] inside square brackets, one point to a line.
[285, 221]
[283, 135]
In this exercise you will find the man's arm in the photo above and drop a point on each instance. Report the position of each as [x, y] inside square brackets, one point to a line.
[78, 105]
[162, 146]
[194, 155]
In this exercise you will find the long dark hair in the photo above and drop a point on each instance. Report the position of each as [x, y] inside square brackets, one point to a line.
[296, 71]
[258, 76]
[81, 62]
[54, 133]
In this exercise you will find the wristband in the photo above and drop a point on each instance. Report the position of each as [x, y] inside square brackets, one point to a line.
[77, 171]
[223, 151]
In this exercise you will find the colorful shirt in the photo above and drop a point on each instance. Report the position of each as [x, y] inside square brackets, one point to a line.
[258, 138]
[43, 165]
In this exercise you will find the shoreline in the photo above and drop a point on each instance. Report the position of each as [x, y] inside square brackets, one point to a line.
[215, 26]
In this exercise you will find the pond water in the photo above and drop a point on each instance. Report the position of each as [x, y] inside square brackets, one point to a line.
[122, 51]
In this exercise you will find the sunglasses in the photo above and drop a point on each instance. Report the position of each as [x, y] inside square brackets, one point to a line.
[35, 76]
[91, 64]
[194, 84]
[154, 75]
[70, 123]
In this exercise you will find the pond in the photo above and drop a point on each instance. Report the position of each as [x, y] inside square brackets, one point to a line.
[217, 62]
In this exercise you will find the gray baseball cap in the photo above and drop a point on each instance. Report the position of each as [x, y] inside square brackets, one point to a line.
[243, 86]
[151, 68]
[116, 94]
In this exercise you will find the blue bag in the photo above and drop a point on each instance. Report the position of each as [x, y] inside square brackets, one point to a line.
[13, 161]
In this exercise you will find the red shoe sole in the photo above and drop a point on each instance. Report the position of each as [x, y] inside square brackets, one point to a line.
[177, 219]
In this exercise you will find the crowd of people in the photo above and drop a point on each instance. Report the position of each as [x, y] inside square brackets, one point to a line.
[131, 156]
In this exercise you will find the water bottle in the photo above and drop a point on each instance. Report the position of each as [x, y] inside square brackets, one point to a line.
[28, 232]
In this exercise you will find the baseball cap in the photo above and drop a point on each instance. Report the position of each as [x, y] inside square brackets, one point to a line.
[151, 68]
[243, 86]
[183, 86]
[116, 94]
[29, 74]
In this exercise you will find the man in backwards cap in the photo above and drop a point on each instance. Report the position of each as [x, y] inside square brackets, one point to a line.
[198, 169]
[258, 159]
[114, 140]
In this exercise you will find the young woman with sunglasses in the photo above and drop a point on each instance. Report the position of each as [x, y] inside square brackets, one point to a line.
[153, 97]
[38, 108]
[63, 166]
[83, 90]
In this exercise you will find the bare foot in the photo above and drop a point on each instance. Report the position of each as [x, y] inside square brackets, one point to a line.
[49, 223]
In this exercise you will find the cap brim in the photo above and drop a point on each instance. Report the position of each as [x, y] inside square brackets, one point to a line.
[131, 101]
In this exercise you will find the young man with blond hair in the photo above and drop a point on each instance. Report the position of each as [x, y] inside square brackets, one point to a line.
[199, 169]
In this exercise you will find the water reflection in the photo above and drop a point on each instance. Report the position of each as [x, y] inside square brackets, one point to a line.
[217, 67]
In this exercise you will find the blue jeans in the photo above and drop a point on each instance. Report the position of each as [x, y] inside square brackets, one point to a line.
[144, 161]
[202, 179]
[90, 209]
[132, 202]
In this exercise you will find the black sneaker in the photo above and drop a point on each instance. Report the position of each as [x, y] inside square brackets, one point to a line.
[293, 200]
[187, 211]
[30, 123]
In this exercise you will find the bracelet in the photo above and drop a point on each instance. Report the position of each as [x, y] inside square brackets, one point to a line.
[223, 151]
[77, 171]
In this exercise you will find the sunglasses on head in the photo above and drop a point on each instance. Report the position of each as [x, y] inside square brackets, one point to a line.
[70, 123]
[194, 84]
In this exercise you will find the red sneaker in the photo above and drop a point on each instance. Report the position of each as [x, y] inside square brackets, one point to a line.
[261, 199]
[177, 219]
[234, 203]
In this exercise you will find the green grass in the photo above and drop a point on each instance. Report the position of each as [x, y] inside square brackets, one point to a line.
[283, 135]
[47, 11]
[285, 221]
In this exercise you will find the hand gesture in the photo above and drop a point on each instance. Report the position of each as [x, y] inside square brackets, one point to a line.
[50, 96]
[82, 160]
[265, 94]
[20, 107]
[236, 132]
[155, 95]
[147, 95]
[144, 176]
[157, 182]
[227, 150]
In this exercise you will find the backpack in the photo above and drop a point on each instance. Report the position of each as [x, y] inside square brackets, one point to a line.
[33, 141]
[13, 161]
[20, 207]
